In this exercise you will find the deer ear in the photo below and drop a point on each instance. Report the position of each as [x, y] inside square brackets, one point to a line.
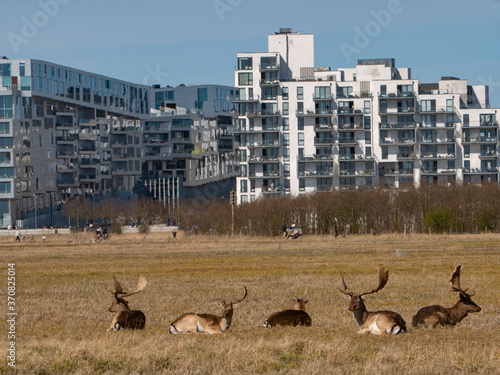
[218, 304]
[362, 298]
[235, 306]
[347, 297]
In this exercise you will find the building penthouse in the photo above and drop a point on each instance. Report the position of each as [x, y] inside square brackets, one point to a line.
[300, 128]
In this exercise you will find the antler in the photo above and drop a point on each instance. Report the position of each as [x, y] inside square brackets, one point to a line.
[297, 298]
[346, 289]
[383, 276]
[141, 284]
[455, 281]
[118, 287]
[244, 296]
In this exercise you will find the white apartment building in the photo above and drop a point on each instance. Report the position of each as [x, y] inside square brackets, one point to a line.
[301, 128]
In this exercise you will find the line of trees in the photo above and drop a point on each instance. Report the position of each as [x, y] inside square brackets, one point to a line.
[440, 209]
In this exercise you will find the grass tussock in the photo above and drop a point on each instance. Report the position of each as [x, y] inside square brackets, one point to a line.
[63, 286]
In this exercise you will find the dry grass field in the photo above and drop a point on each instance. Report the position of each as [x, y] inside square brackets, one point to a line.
[63, 292]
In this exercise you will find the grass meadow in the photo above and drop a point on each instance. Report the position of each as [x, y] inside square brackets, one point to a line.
[63, 293]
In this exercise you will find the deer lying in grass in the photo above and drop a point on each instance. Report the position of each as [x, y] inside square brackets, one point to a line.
[378, 322]
[206, 323]
[432, 316]
[125, 317]
[295, 317]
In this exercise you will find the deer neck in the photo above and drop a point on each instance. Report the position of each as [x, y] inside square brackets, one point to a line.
[457, 312]
[361, 314]
[225, 320]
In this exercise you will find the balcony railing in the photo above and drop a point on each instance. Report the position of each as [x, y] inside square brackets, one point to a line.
[399, 125]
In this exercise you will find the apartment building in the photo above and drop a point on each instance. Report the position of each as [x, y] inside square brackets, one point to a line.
[67, 132]
[301, 128]
[187, 137]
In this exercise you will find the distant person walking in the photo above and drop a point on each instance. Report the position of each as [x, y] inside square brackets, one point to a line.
[17, 236]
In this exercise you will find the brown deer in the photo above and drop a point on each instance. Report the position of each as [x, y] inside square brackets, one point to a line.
[125, 317]
[295, 317]
[378, 322]
[206, 323]
[432, 316]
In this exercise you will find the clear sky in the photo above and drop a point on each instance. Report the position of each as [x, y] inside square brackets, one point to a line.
[196, 41]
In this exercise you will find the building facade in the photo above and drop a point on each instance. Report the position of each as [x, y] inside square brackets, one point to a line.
[187, 137]
[301, 128]
[67, 132]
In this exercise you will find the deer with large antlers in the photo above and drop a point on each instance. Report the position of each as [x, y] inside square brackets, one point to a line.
[125, 317]
[378, 322]
[432, 316]
[207, 323]
[295, 317]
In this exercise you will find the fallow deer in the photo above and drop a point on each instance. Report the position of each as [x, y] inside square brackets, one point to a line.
[125, 317]
[378, 322]
[432, 316]
[206, 323]
[295, 317]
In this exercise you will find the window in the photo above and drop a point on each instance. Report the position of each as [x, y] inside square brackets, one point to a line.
[284, 93]
[6, 110]
[466, 120]
[245, 79]
[301, 139]
[344, 92]
[428, 121]
[300, 93]
[286, 154]
[268, 62]
[285, 108]
[4, 128]
[367, 104]
[385, 152]
[269, 93]
[5, 69]
[428, 105]
[5, 187]
[466, 151]
[300, 107]
[243, 155]
[286, 139]
[244, 186]
[368, 137]
[287, 170]
[286, 123]
[302, 185]
[405, 90]
[244, 63]
[487, 120]
[244, 199]
[322, 92]
[300, 123]
[449, 105]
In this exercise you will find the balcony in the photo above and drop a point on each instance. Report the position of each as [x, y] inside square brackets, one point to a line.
[322, 98]
[438, 140]
[275, 143]
[397, 95]
[315, 158]
[262, 114]
[480, 170]
[396, 111]
[313, 113]
[316, 173]
[488, 154]
[467, 140]
[396, 172]
[398, 141]
[242, 99]
[276, 190]
[324, 141]
[437, 110]
[269, 67]
[323, 128]
[345, 127]
[350, 112]
[348, 141]
[269, 83]
[435, 172]
[262, 159]
[399, 125]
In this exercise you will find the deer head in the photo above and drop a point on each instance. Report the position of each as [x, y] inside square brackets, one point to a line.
[356, 300]
[465, 297]
[300, 303]
[227, 307]
[119, 303]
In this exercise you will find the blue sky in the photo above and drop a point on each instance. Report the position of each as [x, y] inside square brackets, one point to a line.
[196, 41]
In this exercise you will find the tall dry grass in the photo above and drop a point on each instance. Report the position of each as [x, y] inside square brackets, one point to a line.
[63, 294]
